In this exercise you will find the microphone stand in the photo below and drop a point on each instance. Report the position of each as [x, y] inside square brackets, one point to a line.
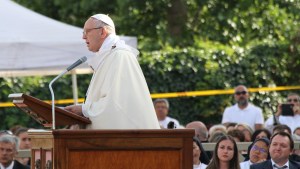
[52, 96]
[77, 63]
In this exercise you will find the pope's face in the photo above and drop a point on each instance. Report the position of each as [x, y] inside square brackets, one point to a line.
[92, 35]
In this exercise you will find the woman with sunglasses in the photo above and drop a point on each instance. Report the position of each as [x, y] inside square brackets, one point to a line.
[225, 154]
[258, 152]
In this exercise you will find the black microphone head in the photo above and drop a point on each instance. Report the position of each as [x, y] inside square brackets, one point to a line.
[83, 59]
[171, 125]
[77, 63]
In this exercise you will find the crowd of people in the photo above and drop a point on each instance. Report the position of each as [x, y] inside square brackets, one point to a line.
[271, 141]
[272, 144]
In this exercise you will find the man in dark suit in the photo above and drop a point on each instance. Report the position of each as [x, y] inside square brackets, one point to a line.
[8, 151]
[280, 148]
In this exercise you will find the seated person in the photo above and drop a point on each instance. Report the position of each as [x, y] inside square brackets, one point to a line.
[225, 154]
[282, 128]
[200, 158]
[247, 130]
[8, 151]
[237, 135]
[216, 128]
[258, 152]
[261, 133]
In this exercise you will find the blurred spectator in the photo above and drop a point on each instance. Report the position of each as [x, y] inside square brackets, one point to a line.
[237, 135]
[296, 134]
[246, 130]
[14, 128]
[230, 126]
[243, 111]
[25, 143]
[291, 121]
[162, 109]
[281, 147]
[225, 155]
[215, 128]
[282, 128]
[258, 152]
[8, 151]
[3, 132]
[296, 137]
[200, 130]
[215, 136]
[200, 158]
[261, 133]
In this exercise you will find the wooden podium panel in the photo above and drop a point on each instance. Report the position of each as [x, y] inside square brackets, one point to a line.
[122, 149]
[42, 111]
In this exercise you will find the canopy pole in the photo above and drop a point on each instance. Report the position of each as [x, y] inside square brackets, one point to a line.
[74, 87]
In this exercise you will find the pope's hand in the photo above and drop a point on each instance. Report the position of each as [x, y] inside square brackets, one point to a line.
[76, 109]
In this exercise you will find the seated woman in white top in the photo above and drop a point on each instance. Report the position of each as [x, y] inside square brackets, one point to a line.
[200, 158]
[258, 152]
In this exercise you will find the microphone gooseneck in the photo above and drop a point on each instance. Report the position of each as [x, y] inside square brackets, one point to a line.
[77, 63]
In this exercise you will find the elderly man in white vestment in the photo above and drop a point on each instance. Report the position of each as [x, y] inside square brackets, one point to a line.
[118, 96]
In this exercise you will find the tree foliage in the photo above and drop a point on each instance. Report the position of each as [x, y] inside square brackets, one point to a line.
[187, 45]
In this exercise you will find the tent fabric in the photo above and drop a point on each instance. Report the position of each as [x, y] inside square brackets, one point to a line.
[33, 44]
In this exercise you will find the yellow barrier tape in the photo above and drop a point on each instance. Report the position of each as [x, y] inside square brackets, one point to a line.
[182, 94]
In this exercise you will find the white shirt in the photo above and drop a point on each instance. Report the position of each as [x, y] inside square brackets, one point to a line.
[245, 164]
[164, 123]
[286, 164]
[200, 166]
[292, 121]
[250, 115]
[9, 167]
[118, 96]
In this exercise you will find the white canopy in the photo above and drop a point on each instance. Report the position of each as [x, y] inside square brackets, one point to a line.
[32, 44]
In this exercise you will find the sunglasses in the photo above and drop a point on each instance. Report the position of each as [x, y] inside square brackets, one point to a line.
[261, 150]
[239, 93]
[292, 100]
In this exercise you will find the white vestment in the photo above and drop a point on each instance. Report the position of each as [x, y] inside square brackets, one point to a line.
[118, 96]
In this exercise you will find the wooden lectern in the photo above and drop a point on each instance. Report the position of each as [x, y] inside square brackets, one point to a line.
[108, 149]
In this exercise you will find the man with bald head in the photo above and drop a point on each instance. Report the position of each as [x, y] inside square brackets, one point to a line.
[200, 130]
[243, 111]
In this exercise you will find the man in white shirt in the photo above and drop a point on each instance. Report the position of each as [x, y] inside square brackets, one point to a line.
[292, 121]
[280, 149]
[118, 96]
[243, 111]
[162, 109]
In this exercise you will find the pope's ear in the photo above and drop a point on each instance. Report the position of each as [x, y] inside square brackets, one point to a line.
[103, 32]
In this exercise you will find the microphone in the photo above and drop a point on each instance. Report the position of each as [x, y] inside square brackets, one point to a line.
[267, 103]
[171, 125]
[77, 63]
